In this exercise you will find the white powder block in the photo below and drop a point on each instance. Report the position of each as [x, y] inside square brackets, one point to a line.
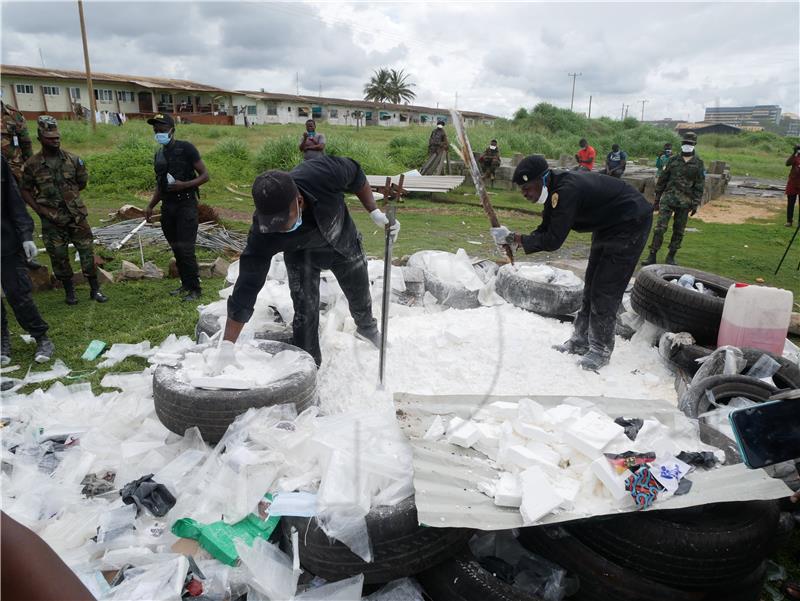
[503, 410]
[544, 456]
[508, 439]
[488, 488]
[613, 482]
[531, 432]
[539, 497]
[575, 401]
[462, 432]
[530, 411]
[567, 488]
[508, 491]
[522, 457]
[489, 441]
[561, 416]
[435, 430]
[591, 433]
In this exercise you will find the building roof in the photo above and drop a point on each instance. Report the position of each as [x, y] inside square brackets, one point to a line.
[360, 104]
[700, 126]
[161, 83]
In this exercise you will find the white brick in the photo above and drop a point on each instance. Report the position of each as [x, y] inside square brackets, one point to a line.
[567, 488]
[503, 410]
[561, 415]
[614, 483]
[591, 433]
[575, 401]
[532, 432]
[489, 441]
[508, 491]
[436, 429]
[530, 411]
[462, 432]
[538, 495]
[544, 456]
[508, 439]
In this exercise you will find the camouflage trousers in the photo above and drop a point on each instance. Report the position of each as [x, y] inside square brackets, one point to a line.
[57, 239]
[488, 169]
[678, 227]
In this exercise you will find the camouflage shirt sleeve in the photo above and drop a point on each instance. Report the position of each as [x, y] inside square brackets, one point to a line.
[28, 178]
[81, 174]
[25, 143]
[699, 184]
[661, 184]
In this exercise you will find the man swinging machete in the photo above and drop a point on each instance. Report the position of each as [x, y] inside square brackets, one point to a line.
[303, 214]
[619, 218]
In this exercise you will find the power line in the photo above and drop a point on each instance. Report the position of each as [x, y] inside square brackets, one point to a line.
[573, 76]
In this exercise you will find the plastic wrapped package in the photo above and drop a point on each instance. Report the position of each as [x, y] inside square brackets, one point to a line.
[161, 581]
[271, 572]
[764, 368]
[348, 589]
[727, 360]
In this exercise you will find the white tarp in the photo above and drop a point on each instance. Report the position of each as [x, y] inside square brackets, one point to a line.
[446, 477]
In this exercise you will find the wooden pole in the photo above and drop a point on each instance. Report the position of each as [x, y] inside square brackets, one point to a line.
[92, 99]
[44, 99]
[469, 160]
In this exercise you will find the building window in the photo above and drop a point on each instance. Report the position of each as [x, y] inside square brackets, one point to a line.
[24, 88]
[302, 111]
[166, 99]
[103, 95]
[251, 109]
[288, 108]
[403, 118]
[125, 96]
[316, 112]
[51, 90]
[75, 93]
[272, 108]
[333, 113]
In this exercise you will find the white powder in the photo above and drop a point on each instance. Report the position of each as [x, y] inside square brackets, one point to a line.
[453, 269]
[546, 274]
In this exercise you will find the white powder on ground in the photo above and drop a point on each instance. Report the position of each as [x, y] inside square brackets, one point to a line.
[454, 269]
[490, 350]
[253, 368]
[546, 274]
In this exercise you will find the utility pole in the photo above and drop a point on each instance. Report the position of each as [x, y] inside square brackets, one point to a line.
[297, 81]
[589, 116]
[92, 99]
[627, 106]
[573, 76]
[41, 57]
[643, 103]
[622, 112]
[456, 104]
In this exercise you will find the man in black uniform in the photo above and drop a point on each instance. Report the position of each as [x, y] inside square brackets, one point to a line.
[619, 218]
[179, 172]
[17, 246]
[303, 214]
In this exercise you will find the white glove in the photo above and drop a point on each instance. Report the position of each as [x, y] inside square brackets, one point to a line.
[381, 220]
[30, 249]
[500, 235]
[226, 355]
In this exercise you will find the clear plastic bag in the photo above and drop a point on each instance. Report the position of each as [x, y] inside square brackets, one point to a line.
[764, 367]
[270, 570]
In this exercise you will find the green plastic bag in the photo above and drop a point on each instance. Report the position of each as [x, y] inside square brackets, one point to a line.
[93, 350]
[218, 537]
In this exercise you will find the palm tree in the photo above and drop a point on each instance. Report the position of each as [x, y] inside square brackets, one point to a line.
[389, 85]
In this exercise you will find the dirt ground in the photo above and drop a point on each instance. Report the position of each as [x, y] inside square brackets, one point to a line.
[740, 209]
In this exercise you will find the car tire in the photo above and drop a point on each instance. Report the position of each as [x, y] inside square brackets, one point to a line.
[678, 309]
[538, 297]
[723, 388]
[400, 546]
[707, 546]
[787, 376]
[180, 406]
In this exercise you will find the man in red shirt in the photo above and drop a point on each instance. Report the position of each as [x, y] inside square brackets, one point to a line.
[585, 156]
[792, 184]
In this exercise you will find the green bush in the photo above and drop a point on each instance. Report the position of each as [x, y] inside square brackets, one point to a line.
[125, 169]
[410, 152]
[372, 161]
[230, 160]
[278, 153]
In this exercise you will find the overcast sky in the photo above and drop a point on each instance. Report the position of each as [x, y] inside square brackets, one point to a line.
[495, 56]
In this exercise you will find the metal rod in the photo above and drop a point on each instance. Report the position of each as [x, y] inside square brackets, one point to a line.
[130, 235]
[141, 249]
[391, 208]
[786, 252]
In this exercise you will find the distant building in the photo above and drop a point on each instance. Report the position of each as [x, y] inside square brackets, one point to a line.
[744, 115]
[790, 125]
[36, 91]
[270, 107]
[702, 128]
[665, 123]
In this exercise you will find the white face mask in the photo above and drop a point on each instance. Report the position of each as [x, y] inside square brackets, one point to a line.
[440, 126]
[542, 196]
[493, 147]
[687, 148]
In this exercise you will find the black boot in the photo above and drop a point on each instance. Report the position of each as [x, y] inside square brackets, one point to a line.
[5, 353]
[44, 349]
[670, 260]
[650, 260]
[572, 347]
[94, 292]
[69, 292]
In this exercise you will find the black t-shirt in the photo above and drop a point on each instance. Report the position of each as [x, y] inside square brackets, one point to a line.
[584, 202]
[176, 159]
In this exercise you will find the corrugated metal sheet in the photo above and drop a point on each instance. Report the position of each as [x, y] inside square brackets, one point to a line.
[420, 183]
[446, 477]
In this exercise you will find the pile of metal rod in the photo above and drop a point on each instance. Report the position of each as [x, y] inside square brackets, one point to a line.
[212, 236]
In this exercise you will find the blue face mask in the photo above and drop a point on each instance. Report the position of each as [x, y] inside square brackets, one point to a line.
[163, 138]
[297, 223]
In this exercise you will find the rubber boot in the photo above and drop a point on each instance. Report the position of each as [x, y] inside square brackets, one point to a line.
[651, 259]
[192, 295]
[670, 260]
[592, 361]
[69, 292]
[571, 347]
[5, 353]
[94, 291]
[371, 336]
[44, 349]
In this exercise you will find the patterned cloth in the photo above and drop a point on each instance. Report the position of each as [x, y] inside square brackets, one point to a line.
[644, 488]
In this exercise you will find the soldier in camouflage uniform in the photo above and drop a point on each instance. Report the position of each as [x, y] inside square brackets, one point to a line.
[680, 187]
[489, 161]
[438, 146]
[51, 183]
[17, 146]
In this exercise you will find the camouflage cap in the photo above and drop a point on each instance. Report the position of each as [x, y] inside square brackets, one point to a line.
[689, 137]
[48, 126]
